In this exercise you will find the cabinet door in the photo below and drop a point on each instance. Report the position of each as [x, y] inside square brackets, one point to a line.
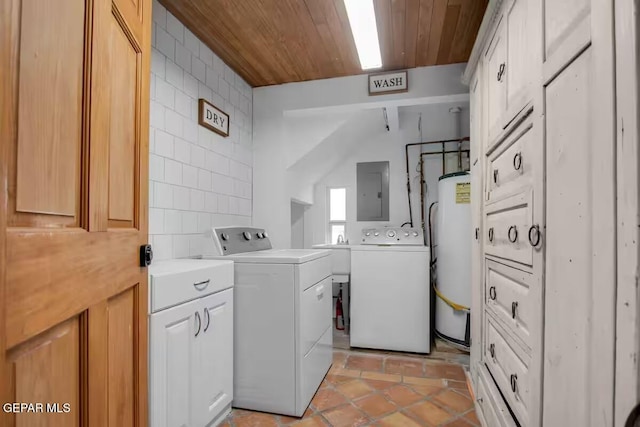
[214, 381]
[172, 365]
[495, 73]
[519, 54]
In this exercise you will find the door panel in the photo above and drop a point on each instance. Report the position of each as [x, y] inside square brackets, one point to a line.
[49, 137]
[123, 140]
[54, 356]
[122, 354]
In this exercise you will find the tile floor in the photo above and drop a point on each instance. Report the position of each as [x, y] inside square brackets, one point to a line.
[383, 390]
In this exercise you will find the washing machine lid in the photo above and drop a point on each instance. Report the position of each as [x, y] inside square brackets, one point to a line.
[275, 256]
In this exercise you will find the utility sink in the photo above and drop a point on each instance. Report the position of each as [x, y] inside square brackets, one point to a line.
[340, 257]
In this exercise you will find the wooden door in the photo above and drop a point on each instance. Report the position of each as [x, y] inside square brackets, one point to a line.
[73, 169]
[172, 393]
[214, 382]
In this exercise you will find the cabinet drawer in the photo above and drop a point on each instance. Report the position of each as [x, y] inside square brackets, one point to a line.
[509, 366]
[176, 281]
[510, 166]
[494, 410]
[507, 225]
[315, 313]
[509, 296]
[314, 271]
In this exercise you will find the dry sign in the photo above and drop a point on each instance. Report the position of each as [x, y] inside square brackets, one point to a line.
[213, 118]
[384, 83]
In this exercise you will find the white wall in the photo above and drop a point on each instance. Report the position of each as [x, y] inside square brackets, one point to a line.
[302, 131]
[198, 179]
[437, 124]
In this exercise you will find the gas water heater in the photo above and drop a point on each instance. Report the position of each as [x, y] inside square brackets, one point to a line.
[453, 266]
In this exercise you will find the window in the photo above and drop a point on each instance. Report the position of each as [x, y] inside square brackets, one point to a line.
[337, 214]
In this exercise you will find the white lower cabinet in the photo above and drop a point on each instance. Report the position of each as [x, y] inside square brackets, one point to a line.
[192, 361]
[191, 354]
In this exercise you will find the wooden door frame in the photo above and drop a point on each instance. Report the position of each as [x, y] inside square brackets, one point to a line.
[627, 317]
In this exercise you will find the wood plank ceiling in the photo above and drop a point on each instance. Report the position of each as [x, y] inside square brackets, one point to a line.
[279, 41]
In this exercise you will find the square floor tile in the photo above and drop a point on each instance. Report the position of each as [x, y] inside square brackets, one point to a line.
[327, 399]
[382, 377]
[379, 385]
[454, 401]
[411, 367]
[375, 405]
[444, 370]
[459, 422]
[398, 419]
[430, 413]
[256, 419]
[354, 389]
[337, 379]
[402, 395]
[426, 390]
[364, 363]
[346, 415]
[472, 417]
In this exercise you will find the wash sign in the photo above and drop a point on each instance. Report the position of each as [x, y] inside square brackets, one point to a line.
[385, 83]
[213, 118]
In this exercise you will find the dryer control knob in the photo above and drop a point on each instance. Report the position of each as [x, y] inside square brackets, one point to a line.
[224, 236]
[376, 234]
[415, 234]
[264, 235]
[367, 234]
[406, 234]
[391, 233]
[246, 235]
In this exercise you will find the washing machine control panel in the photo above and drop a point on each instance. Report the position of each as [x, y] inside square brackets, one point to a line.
[398, 236]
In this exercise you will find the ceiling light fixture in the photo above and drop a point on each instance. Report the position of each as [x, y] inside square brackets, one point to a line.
[362, 18]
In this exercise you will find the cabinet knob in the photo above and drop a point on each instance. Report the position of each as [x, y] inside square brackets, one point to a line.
[513, 234]
[501, 71]
[514, 383]
[477, 232]
[514, 307]
[491, 234]
[492, 350]
[517, 161]
[495, 176]
[492, 293]
[534, 235]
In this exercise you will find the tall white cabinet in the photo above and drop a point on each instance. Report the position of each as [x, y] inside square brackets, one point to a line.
[543, 126]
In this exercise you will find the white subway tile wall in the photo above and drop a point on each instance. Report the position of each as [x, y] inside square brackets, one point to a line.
[198, 179]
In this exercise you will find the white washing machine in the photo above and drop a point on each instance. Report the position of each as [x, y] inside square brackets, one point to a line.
[390, 294]
[283, 342]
